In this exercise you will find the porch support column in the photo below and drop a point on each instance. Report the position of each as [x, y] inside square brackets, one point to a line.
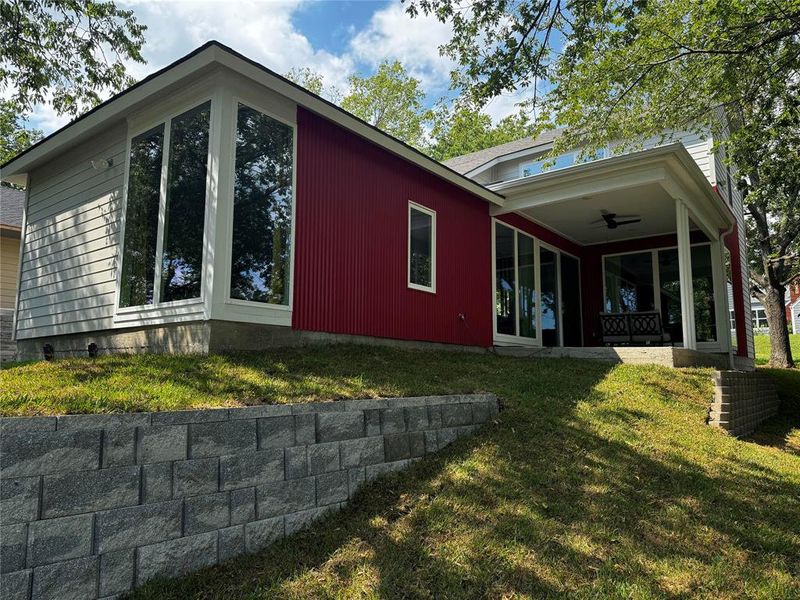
[685, 272]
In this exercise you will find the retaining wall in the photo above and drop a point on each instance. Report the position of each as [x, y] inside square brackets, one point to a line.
[742, 400]
[94, 505]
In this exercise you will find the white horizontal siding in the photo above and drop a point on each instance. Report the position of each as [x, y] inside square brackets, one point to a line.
[69, 261]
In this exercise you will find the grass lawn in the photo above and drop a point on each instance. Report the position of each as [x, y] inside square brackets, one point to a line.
[763, 352]
[596, 481]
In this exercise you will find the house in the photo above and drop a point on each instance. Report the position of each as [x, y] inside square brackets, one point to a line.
[11, 201]
[217, 206]
[759, 313]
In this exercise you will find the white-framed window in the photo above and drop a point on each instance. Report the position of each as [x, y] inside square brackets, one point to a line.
[562, 161]
[421, 248]
[760, 318]
[165, 208]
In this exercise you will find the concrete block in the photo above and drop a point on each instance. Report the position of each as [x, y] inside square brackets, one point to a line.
[13, 540]
[55, 540]
[318, 407]
[417, 418]
[194, 477]
[260, 534]
[156, 482]
[300, 520]
[356, 478]
[243, 505]
[431, 443]
[416, 443]
[323, 458]
[221, 439]
[296, 462]
[19, 499]
[70, 494]
[205, 513]
[16, 585]
[38, 453]
[276, 432]
[305, 429]
[160, 443]
[373, 471]
[456, 415]
[337, 426]
[435, 416]
[231, 542]
[284, 497]
[253, 468]
[21, 424]
[183, 417]
[119, 447]
[137, 525]
[116, 572]
[447, 436]
[393, 420]
[332, 488]
[258, 412]
[362, 451]
[70, 580]
[396, 447]
[372, 422]
[174, 558]
[115, 421]
[480, 412]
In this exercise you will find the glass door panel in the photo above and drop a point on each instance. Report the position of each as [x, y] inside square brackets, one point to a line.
[571, 301]
[527, 287]
[505, 281]
[629, 283]
[549, 283]
[703, 285]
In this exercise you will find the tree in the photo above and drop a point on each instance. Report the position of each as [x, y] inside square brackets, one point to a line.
[621, 70]
[391, 100]
[66, 54]
[314, 82]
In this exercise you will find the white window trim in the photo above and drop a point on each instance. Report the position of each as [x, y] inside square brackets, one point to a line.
[432, 213]
[263, 306]
[162, 312]
[576, 154]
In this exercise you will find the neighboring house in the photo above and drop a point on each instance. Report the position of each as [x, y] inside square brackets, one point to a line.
[216, 206]
[759, 313]
[12, 201]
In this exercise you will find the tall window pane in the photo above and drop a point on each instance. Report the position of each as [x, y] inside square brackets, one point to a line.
[527, 287]
[505, 280]
[141, 219]
[703, 286]
[262, 209]
[421, 248]
[549, 281]
[629, 283]
[182, 256]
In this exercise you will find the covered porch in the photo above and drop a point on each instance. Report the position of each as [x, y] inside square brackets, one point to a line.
[636, 234]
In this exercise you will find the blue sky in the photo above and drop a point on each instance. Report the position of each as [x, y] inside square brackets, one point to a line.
[334, 37]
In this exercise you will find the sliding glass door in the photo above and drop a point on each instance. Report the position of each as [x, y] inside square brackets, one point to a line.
[571, 321]
[550, 292]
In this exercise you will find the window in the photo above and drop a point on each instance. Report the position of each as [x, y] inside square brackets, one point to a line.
[515, 283]
[421, 248]
[262, 208]
[560, 162]
[629, 283]
[760, 319]
[178, 269]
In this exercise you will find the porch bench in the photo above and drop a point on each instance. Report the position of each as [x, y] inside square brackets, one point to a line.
[633, 328]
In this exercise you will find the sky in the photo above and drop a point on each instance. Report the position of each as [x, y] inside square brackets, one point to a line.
[333, 37]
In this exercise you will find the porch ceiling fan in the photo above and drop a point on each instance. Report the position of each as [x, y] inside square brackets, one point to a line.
[613, 220]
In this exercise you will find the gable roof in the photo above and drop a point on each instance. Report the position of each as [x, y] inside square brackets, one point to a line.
[12, 201]
[469, 162]
[215, 53]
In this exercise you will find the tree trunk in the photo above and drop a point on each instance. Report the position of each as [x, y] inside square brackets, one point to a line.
[780, 351]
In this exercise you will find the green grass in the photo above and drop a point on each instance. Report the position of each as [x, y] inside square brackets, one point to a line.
[763, 351]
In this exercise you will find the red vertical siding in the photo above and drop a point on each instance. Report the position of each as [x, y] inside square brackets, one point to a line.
[351, 255]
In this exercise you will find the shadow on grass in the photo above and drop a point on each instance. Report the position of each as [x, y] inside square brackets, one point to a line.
[783, 430]
[595, 485]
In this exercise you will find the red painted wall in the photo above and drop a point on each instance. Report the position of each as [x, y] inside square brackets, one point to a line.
[351, 256]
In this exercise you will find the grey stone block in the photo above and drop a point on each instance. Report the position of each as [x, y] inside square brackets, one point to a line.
[194, 477]
[323, 458]
[253, 468]
[305, 429]
[331, 488]
[174, 558]
[466, 430]
[417, 418]
[156, 482]
[276, 432]
[284, 497]
[356, 478]
[435, 416]
[70, 580]
[494, 407]
[300, 520]
[119, 447]
[231, 542]
[363, 451]
[318, 407]
[431, 442]
[116, 571]
[183, 417]
[372, 422]
[296, 462]
[20, 424]
[416, 443]
[456, 415]
[205, 513]
[54, 540]
[337, 426]
[258, 412]
[446, 436]
[38, 453]
[13, 539]
[19, 499]
[70, 494]
[16, 585]
[373, 471]
[160, 443]
[393, 420]
[220, 439]
[137, 525]
[396, 447]
[120, 420]
[243, 505]
[260, 534]
[480, 412]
